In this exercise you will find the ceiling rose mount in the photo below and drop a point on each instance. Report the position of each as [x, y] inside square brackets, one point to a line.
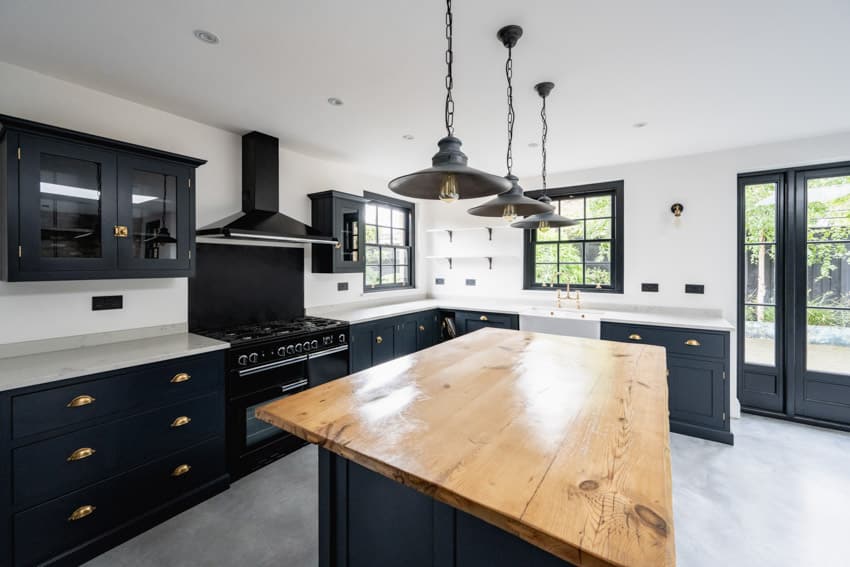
[449, 178]
[509, 35]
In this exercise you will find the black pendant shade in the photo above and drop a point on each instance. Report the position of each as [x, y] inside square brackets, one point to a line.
[163, 236]
[511, 204]
[449, 178]
[544, 221]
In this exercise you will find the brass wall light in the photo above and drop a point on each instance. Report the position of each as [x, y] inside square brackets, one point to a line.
[677, 209]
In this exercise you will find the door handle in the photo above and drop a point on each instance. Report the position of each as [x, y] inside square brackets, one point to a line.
[181, 470]
[80, 454]
[181, 421]
[80, 401]
[81, 513]
[483, 318]
[635, 337]
[692, 342]
[379, 339]
[182, 377]
[120, 231]
[421, 327]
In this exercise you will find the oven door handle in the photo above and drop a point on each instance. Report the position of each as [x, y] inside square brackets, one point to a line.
[293, 386]
[342, 348]
[272, 366]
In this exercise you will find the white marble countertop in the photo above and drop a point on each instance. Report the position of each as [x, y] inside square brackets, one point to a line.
[642, 315]
[51, 366]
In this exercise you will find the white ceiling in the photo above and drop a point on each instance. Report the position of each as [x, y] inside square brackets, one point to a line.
[705, 75]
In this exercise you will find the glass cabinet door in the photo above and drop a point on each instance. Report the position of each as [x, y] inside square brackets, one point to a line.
[349, 256]
[153, 204]
[67, 206]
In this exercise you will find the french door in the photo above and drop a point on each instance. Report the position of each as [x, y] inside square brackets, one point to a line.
[794, 293]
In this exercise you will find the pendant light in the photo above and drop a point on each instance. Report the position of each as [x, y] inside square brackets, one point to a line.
[544, 221]
[449, 178]
[513, 203]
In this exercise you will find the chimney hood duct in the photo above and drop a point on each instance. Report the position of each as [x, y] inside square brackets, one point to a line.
[260, 219]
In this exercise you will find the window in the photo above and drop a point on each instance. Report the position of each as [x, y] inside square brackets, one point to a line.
[389, 243]
[588, 255]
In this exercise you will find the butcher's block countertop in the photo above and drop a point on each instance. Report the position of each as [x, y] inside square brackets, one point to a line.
[563, 442]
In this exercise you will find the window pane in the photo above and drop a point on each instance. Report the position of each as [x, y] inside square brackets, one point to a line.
[384, 216]
[597, 252]
[760, 335]
[570, 253]
[371, 234]
[548, 235]
[387, 256]
[384, 235]
[399, 236]
[598, 274]
[829, 208]
[546, 253]
[575, 232]
[760, 212]
[545, 273]
[373, 275]
[828, 277]
[399, 218]
[401, 256]
[573, 274]
[371, 214]
[828, 341]
[387, 274]
[599, 207]
[401, 275]
[598, 229]
[373, 255]
[572, 208]
[760, 273]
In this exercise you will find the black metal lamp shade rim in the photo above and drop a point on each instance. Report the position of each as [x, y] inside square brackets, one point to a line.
[552, 220]
[522, 206]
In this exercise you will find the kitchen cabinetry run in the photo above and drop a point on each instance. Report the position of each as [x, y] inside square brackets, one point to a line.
[697, 380]
[90, 462]
[77, 206]
[342, 216]
[378, 341]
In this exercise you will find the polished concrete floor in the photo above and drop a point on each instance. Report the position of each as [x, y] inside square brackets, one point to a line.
[779, 497]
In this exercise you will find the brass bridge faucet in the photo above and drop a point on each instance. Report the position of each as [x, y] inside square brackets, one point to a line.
[569, 296]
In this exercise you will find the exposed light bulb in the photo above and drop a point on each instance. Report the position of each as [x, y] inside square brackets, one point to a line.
[448, 189]
[509, 213]
[543, 226]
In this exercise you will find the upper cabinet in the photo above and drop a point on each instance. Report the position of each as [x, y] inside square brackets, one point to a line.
[340, 215]
[77, 206]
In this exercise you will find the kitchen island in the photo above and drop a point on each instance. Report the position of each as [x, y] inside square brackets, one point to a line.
[497, 448]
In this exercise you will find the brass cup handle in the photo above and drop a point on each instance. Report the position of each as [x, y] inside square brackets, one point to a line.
[421, 327]
[81, 513]
[635, 337]
[692, 342]
[81, 453]
[181, 421]
[80, 401]
[181, 470]
[483, 318]
[182, 377]
[379, 339]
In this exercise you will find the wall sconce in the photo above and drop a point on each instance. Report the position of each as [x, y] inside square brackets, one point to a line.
[677, 209]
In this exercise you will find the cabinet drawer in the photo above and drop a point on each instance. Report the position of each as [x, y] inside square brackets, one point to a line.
[57, 466]
[47, 530]
[676, 341]
[469, 321]
[144, 386]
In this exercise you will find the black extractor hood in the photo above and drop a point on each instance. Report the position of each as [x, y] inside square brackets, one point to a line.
[260, 219]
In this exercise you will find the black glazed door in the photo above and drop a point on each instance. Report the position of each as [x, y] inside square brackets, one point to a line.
[154, 204]
[348, 221]
[67, 207]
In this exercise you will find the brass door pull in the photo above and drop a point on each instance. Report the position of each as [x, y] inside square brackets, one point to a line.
[81, 453]
[80, 401]
[635, 337]
[182, 377]
[379, 339]
[81, 513]
[181, 470]
[181, 421]
[483, 318]
[120, 231]
[692, 342]
[421, 327]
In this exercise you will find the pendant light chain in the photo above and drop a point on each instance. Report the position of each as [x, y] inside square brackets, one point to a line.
[509, 73]
[543, 141]
[450, 103]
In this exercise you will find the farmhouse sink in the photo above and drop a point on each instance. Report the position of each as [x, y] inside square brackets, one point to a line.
[570, 322]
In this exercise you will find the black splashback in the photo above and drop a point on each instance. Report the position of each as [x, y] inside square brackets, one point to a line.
[238, 285]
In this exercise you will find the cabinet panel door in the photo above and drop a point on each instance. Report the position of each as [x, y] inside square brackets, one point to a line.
[406, 335]
[67, 206]
[426, 328]
[696, 391]
[348, 228]
[383, 341]
[360, 347]
[154, 203]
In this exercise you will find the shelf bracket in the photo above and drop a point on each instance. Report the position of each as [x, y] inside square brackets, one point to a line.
[449, 259]
[490, 260]
[451, 237]
[490, 232]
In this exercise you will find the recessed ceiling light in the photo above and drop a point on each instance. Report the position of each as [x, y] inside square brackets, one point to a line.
[206, 36]
[409, 137]
[533, 145]
[333, 101]
[639, 124]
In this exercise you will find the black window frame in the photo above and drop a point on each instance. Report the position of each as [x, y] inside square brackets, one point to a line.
[410, 208]
[613, 188]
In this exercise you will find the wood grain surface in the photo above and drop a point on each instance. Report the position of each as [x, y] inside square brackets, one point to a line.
[561, 441]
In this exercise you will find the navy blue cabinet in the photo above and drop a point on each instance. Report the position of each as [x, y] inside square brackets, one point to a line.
[378, 341]
[340, 215]
[469, 321]
[697, 379]
[94, 461]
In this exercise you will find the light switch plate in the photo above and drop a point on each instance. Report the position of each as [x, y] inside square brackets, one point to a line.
[470, 282]
[342, 286]
[105, 302]
[440, 281]
[694, 288]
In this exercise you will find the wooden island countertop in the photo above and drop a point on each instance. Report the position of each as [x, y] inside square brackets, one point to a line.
[560, 441]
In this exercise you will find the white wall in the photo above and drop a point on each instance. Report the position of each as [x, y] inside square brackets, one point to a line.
[52, 309]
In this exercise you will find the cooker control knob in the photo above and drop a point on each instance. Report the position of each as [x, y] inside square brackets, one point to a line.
[298, 347]
[342, 338]
[290, 349]
[253, 358]
[327, 340]
[306, 346]
[314, 345]
[242, 360]
[281, 351]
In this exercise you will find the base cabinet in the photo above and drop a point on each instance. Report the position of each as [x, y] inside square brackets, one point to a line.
[698, 367]
[110, 462]
[469, 321]
[378, 341]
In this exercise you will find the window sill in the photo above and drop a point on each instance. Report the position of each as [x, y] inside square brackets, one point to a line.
[573, 288]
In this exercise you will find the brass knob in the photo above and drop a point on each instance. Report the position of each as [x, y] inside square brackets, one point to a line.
[81, 513]
[182, 377]
[81, 453]
[379, 339]
[181, 421]
[692, 342]
[120, 231]
[80, 401]
[635, 337]
[421, 327]
[483, 318]
[181, 470]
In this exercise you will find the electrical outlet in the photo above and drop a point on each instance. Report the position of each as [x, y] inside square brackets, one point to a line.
[653, 287]
[342, 286]
[694, 288]
[104, 302]
[440, 281]
[470, 282]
